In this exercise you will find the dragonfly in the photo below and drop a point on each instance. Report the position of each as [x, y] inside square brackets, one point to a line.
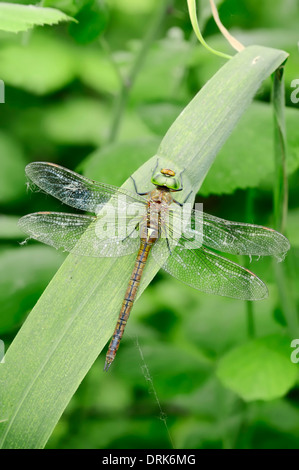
[189, 251]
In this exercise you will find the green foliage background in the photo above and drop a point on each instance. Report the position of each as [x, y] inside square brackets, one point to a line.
[173, 383]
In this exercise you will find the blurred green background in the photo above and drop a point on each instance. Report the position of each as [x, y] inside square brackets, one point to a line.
[178, 380]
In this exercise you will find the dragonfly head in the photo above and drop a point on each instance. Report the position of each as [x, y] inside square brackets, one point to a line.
[167, 178]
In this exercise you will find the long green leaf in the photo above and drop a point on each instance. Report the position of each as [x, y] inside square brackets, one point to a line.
[75, 316]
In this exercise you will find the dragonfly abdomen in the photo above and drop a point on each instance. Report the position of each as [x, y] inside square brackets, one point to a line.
[128, 301]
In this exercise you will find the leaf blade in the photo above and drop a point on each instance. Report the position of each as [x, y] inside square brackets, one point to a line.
[260, 369]
[15, 18]
[200, 142]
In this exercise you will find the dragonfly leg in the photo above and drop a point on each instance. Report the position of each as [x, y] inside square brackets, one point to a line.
[186, 199]
[166, 237]
[135, 186]
[168, 246]
[154, 170]
[135, 228]
[182, 203]
[178, 203]
[181, 175]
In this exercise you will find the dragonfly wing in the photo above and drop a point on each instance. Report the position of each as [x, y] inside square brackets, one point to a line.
[178, 227]
[79, 234]
[76, 190]
[239, 238]
[163, 248]
[211, 273]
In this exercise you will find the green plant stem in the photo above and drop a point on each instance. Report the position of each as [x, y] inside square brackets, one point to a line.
[237, 45]
[281, 197]
[286, 298]
[195, 25]
[280, 151]
[250, 319]
[106, 48]
[128, 82]
[251, 329]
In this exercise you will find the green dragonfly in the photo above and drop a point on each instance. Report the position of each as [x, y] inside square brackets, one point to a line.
[155, 223]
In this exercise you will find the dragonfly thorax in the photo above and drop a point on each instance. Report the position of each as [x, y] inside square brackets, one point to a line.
[160, 195]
